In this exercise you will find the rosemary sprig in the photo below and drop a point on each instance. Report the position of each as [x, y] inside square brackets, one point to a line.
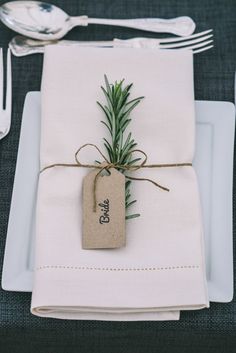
[117, 112]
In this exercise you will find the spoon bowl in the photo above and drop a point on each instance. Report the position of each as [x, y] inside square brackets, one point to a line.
[35, 19]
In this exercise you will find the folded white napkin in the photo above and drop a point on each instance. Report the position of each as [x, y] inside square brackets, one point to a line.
[161, 269]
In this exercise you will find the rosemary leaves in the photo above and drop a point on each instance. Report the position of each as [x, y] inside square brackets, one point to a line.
[117, 110]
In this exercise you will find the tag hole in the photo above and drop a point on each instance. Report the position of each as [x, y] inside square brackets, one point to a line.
[105, 173]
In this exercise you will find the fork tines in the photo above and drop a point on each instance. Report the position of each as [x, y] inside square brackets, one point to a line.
[198, 42]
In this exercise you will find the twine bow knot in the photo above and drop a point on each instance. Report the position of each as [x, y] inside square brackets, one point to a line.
[106, 165]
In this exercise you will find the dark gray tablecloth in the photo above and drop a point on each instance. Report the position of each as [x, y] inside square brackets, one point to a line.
[205, 331]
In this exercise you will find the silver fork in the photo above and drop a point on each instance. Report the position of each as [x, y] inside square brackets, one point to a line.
[5, 114]
[22, 46]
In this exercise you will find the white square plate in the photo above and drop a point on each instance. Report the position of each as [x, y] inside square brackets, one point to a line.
[214, 166]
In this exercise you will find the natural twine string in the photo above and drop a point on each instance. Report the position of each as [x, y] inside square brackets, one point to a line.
[106, 165]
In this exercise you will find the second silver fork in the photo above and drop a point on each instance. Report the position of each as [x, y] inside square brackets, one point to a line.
[5, 113]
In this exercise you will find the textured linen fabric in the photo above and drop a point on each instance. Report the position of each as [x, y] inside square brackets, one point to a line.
[208, 331]
[161, 268]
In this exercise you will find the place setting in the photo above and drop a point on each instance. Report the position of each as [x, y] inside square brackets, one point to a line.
[121, 207]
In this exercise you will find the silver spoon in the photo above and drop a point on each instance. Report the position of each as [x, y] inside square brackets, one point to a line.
[44, 21]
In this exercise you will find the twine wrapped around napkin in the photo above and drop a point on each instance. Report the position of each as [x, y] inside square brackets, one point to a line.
[106, 165]
[161, 270]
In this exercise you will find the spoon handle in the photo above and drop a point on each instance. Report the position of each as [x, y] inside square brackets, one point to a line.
[182, 26]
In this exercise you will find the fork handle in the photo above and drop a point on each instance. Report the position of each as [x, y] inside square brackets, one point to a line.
[152, 43]
[136, 42]
[182, 26]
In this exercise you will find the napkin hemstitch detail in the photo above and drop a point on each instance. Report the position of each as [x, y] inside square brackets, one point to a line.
[87, 268]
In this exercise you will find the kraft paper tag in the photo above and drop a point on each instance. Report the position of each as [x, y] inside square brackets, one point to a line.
[104, 228]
